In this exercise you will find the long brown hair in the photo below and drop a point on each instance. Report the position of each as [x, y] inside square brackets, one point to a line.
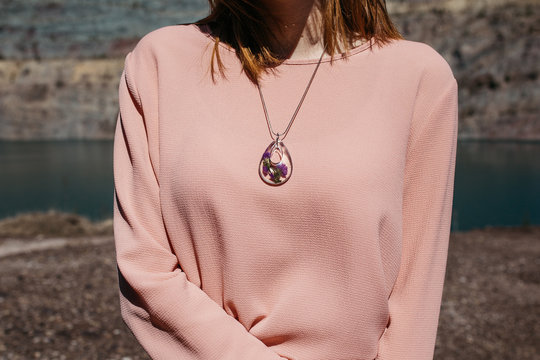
[243, 25]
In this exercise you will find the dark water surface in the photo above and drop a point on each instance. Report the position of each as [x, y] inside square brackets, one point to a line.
[73, 176]
[497, 183]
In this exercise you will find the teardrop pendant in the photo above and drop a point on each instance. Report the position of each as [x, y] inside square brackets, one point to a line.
[272, 172]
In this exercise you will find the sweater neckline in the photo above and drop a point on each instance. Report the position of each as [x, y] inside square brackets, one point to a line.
[326, 58]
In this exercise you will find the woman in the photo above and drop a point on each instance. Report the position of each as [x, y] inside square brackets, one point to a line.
[227, 251]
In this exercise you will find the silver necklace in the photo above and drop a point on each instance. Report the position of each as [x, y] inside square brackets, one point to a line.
[278, 172]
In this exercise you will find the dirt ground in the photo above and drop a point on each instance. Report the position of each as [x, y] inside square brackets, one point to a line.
[58, 298]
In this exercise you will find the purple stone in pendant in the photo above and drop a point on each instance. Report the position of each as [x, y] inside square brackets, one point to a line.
[275, 167]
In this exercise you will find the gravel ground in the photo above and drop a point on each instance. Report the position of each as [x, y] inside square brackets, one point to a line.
[60, 301]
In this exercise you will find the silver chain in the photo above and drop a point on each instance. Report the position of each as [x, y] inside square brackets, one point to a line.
[278, 135]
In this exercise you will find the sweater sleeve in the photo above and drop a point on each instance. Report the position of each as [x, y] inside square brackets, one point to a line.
[171, 317]
[415, 299]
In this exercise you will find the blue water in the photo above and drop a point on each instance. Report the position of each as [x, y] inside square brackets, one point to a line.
[496, 183]
[73, 176]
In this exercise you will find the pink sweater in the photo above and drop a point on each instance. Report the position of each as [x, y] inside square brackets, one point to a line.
[345, 261]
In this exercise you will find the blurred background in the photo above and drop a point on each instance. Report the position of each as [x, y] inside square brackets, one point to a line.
[60, 64]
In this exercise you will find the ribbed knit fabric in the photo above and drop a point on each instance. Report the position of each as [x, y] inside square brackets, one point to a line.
[345, 261]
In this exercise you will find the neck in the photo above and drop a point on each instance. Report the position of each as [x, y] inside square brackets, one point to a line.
[296, 25]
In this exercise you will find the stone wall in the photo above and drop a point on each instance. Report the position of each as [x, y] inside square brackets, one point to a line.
[60, 61]
[493, 48]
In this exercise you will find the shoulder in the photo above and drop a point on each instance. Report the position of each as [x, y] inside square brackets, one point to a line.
[168, 36]
[167, 43]
[430, 66]
[141, 64]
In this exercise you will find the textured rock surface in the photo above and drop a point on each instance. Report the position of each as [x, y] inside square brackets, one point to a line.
[60, 61]
[494, 49]
[59, 98]
[52, 29]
